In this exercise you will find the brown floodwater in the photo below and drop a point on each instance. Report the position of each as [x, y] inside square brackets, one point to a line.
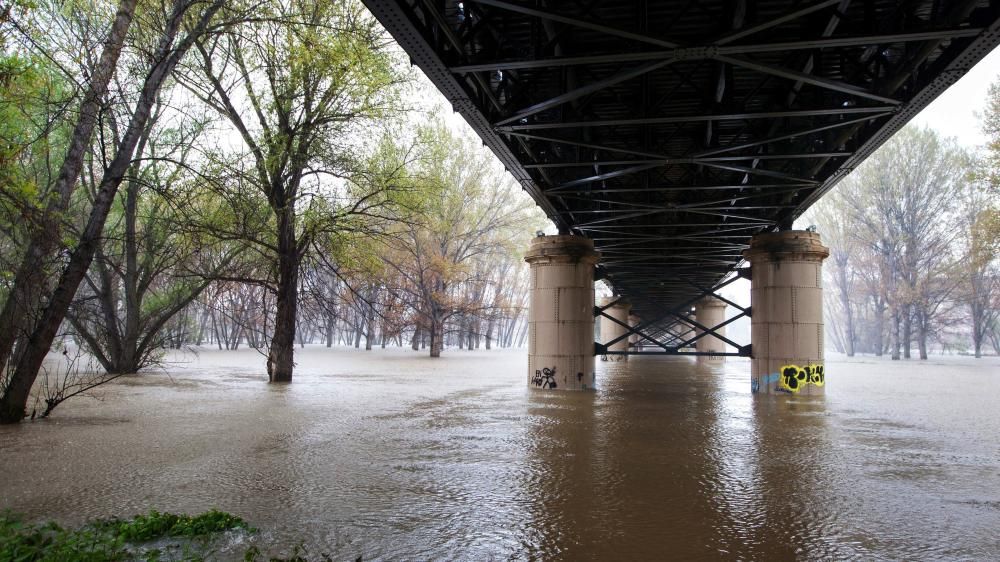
[391, 455]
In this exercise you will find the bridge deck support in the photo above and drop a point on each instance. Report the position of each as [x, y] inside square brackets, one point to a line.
[786, 328]
[561, 312]
[611, 330]
[711, 312]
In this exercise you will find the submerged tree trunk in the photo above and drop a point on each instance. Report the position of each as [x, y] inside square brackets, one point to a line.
[879, 329]
[280, 357]
[922, 333]
[907, 330]
[331, 322]
[437, 335]
[894, 342]
[845, 301]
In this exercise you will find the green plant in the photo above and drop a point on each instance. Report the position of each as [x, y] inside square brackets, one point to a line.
[155, 525]
[109, 540]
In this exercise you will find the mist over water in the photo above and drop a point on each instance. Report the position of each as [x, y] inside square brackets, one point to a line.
[393, 455]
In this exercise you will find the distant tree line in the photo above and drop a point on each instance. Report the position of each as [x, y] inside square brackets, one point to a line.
[234, 173]
[913, 239]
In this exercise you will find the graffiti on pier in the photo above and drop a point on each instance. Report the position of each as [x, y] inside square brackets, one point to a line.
[763, 381]
[795, 378]
[546, 378]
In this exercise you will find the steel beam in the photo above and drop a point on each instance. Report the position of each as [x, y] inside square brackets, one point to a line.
[586, 90]
[710, 50]
[576, 22]
[796, 76]
[798, 133]
[700, 118]
[774, 22]
[654, 163]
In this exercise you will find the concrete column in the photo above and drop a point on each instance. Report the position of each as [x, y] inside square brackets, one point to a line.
[786, 327]
[633, 340]
[611, 330]
[710, 312]
[561, 312]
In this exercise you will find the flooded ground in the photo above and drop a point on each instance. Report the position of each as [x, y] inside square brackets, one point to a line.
[392, 455]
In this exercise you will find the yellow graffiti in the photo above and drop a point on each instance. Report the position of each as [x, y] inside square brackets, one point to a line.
[793, 378]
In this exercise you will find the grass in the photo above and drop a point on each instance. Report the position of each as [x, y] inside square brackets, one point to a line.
[112, 540]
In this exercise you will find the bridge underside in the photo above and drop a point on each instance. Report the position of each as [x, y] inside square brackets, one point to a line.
[671, 131]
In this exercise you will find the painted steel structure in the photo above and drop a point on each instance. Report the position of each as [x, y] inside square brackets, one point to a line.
[614, 325]
[670, 132]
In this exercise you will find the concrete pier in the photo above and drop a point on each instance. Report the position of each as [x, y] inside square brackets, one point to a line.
[561, 313]
[711, 312]
[611, 329]
[633, 340]
[786, 296]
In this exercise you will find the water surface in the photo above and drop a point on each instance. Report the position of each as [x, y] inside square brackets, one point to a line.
[392, 455]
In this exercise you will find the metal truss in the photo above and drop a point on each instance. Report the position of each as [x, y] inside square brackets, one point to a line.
[662, 331]
[672, 131]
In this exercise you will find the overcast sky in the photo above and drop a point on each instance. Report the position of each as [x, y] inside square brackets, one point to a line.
[954, 112]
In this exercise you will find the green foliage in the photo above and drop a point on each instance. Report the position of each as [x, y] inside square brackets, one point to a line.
[989, 222]
[20, 541]
[155, 525]
[31, 136]
[108, 540]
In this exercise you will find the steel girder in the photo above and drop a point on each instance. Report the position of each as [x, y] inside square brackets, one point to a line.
[671, 131]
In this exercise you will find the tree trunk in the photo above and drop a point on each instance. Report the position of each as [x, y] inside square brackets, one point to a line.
[437, 335]
[845, 301]
[331, 321]
[415, 342]
[907, 330]
[280, 357]
[922, 328]
[895, 335]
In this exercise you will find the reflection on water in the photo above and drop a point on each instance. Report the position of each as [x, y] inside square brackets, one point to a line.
[391, 455]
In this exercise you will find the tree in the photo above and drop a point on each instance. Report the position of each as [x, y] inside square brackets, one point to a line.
[892, 224]
[299, 83]
[981, 229]
[52, 305]
[838, 234]
[151, 262]
[31, 276]
[467, 216]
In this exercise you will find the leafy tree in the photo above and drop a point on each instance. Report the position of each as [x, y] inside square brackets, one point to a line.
[152, 261]
[894, 217]
[33, 312]
[299, 84]
[467, 217]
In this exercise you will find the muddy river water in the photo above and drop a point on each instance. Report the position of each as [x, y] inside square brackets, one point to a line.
[392, 455]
